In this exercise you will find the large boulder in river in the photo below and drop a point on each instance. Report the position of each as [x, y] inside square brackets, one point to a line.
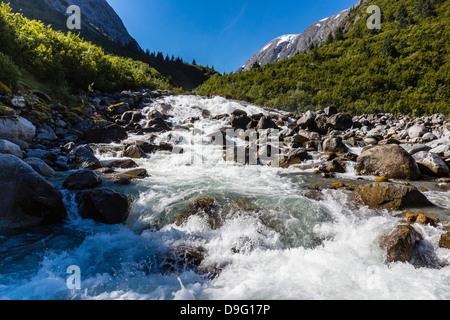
[401, 244]
[391, 196]
[390, 161]
[104, 206]
[27, 199]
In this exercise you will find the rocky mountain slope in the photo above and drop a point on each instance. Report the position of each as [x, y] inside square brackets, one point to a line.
[100, 23]
[287, 46]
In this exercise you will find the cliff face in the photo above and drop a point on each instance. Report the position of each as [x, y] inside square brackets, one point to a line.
[287, 46]
[99, 20]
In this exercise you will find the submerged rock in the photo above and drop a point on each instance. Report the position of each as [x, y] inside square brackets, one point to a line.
[104, 206]
[391, 161]
[27, 200]
[391, 196]
[401, 243]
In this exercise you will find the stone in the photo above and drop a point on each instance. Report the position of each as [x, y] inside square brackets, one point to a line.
[416, 131]
[85, 159]
[412, 149]
[7, 147]
[123, 164]
[107, 134]
[134, 152]
[82, 180]
[334, 145]
[332, 167]
[127, 177]
[330, 111]
[431, 164]
[119, 108]
[422, 218]
[391, 161]
[391, 196]
[340, 121]
[444, 242]
[18, 128]
[240, 120]
[401, 244]
[266, 123]
[104, 206]
[28, 200]
[40, 167]
[295, 156]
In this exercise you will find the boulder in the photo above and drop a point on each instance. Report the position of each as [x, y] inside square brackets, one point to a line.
[7, 147]
[332, 167]
[123, 164]
[431, 164]
[334, 145]
[266, 123]
[28, 200]
[107, 134]
[134, 152]
[391, 161]
[416, 131]
[40, 167]
[340, 122]
[240, 119]
[103, 206]
[84, 158]
[18, 128]
[125, 178]
[401, 244]
[82, 180]
[295, 156]
[204, 207]
[391, 196]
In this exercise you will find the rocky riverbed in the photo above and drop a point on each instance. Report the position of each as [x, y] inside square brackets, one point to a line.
[183, 189]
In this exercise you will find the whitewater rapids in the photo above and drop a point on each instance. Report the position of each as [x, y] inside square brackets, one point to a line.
[275, 243]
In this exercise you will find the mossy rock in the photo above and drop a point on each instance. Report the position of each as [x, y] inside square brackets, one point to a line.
[4, 89]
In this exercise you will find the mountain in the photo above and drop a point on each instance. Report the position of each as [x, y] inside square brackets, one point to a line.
[100, 23]
[401, 68]
[287, 46]
[102, 26]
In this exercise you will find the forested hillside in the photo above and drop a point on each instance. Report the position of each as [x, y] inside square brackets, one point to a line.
[402, 68]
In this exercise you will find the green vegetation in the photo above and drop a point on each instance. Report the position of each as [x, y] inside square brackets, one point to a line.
[178, 73]
[403, 68]
[65, 60]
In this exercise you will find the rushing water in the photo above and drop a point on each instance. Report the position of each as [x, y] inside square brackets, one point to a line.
[274, 240]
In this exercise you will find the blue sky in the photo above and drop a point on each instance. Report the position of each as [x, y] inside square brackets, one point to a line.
[224, 34]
